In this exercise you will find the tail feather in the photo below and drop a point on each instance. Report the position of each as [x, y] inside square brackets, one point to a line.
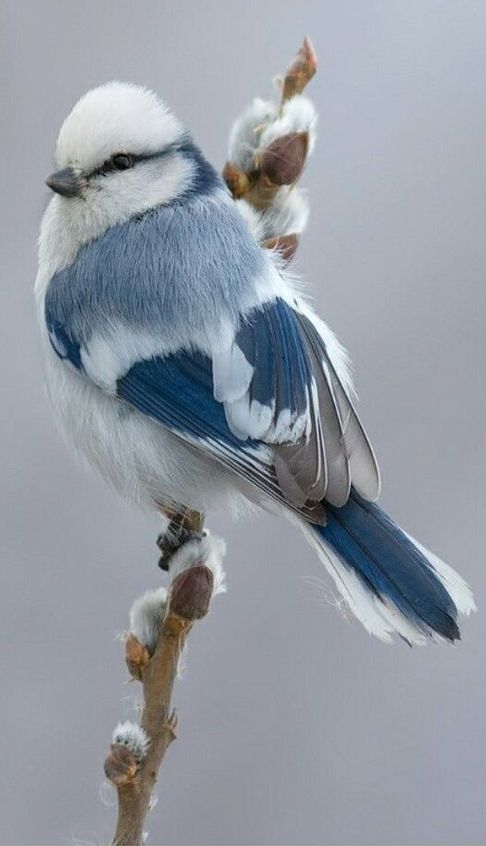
[452, 581]
[391, 583]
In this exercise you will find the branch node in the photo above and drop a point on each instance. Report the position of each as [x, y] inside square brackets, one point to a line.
[170, 725]
[137, 656]
[175, 626]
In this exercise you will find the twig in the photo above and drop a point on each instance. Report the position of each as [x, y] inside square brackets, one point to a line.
[137, 751]
[300, 71]
[269, 146]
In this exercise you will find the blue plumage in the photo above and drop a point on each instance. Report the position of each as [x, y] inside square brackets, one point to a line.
[165, 271]
[295, 370]
[63, 344]
[183, 384]
[389, 564]
[205, 179]
[270, 340]
[263, 387]
[177, 390]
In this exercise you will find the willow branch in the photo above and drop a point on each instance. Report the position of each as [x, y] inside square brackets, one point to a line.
[137, 751]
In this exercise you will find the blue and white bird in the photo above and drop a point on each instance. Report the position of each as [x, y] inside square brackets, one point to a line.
[185, 365]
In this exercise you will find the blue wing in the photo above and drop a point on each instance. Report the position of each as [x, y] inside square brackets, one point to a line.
[279, 386]
[270, 407]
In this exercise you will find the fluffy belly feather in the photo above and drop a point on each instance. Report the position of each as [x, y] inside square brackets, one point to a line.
[141, 459]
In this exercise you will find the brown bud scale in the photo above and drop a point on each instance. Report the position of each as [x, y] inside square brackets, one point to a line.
[121, 766]
[300, 71]
[191, 592]
[137, 656]
[283, 160]
[237, 180]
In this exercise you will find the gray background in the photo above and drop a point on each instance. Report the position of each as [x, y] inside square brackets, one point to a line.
[296, 727]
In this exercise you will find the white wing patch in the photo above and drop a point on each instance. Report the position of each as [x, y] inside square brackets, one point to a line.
[232, 374]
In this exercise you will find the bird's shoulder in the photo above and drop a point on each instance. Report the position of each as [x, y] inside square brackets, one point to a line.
[177, 269]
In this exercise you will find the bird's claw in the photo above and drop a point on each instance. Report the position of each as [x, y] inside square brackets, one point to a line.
[172, 539]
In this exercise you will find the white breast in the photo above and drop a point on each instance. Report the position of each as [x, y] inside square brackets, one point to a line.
[142, 460]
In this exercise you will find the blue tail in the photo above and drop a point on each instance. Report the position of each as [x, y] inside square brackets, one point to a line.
[389, 565]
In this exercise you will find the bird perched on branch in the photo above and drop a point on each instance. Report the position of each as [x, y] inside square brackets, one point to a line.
[184, 364]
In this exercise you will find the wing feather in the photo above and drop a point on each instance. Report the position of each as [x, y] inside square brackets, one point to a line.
[270, 407]
[365, 474]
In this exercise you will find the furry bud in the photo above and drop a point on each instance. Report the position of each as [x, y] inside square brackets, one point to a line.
[133, 737]
[146, 615]
[207, 551]
[282, 161]
[191, 593]
[121, 766]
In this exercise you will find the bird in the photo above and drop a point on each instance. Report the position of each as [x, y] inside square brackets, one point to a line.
[187, 367]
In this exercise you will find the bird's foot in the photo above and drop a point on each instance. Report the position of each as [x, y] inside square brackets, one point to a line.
[175, 536]
[184, 524]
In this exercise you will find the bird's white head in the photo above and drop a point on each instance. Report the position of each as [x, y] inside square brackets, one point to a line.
[120, 152]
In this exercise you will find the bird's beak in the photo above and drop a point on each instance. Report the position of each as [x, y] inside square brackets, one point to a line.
[65, 182]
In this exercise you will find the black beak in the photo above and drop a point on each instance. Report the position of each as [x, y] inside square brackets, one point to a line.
[65, 182]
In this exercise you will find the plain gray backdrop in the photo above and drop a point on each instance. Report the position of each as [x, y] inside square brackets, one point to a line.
[295, 726]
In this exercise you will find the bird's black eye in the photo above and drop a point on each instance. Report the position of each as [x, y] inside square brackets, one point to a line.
[122, 161]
